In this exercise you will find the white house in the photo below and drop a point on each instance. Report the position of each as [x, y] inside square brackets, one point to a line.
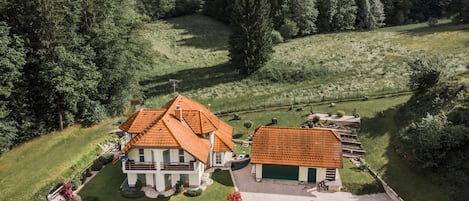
[177, 142]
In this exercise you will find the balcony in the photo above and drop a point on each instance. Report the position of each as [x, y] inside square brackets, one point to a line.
[131, 165]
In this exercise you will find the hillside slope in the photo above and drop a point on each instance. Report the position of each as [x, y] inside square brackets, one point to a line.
[338, 65]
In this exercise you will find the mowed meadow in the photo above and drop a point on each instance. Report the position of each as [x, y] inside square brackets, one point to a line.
[333, 66]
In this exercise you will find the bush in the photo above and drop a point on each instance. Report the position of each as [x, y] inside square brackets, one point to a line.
[288, 29]
[276, 37]
[432, 21]
[91, 198]
[179, 187]
[138, 185]
[76, 182]
[340, 113]
[106, 158]
[132, 194]
[193, 193]
[97, 165]
[316, 119]
[247, 124]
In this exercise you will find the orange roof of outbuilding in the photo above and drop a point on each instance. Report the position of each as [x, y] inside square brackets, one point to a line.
[308, 147]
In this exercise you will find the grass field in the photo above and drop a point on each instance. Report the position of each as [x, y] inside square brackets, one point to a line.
[106, 185]
[337, 65]
[39, 164]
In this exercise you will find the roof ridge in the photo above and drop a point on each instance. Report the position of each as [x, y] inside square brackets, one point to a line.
[209, 120]
[170, 131]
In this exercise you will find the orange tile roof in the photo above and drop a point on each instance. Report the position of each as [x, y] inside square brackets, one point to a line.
[161, 128]
[198, 121]
[141, 120]
[297, 146]
[223, 136]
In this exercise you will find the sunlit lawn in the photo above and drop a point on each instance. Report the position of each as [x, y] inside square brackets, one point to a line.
[38, 165]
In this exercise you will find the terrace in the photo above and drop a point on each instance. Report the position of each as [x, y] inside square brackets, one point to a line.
[132, 165]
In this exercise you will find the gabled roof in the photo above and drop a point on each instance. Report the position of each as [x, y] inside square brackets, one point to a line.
[161, 128]
[141, 120]
[308, 147]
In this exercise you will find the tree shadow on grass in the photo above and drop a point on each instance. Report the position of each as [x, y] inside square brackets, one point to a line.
[380, 124]
[202, 32]
[196, 78]
[223, 177]
[436, 29]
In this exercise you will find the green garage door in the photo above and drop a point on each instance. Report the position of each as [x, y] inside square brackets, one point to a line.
[280, 172]
[311, 175]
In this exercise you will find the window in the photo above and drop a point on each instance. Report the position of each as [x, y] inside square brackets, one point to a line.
[181, 155]
[218, 158]
[141, 155]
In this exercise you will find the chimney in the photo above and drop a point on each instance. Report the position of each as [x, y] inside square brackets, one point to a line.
[208, 106]
[178, 112]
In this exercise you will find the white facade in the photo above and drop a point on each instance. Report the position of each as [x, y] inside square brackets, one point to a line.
[302, 173]
[162, 168]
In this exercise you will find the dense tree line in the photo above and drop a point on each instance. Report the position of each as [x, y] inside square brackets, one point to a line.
[157, 9]
[65, 62]
[312, 16]
[437, 136]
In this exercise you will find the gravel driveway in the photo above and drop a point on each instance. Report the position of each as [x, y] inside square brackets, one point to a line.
[271, 190]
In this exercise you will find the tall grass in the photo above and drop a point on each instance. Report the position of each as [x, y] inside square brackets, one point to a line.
[30, 171]
[335, 66]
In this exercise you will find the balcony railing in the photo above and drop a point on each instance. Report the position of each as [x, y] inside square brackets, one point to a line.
[131, 165]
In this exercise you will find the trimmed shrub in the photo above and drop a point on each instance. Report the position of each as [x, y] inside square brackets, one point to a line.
[432, 21]
[138, 185]
[106, 158]
[277, 37]
[247, 124]
[76, 181]
[193, 193]
[97, 165]
[340, 113]
[132, 194]
[179, 187]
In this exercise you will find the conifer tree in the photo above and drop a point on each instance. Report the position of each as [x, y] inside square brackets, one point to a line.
[251, 38]
[370, 14]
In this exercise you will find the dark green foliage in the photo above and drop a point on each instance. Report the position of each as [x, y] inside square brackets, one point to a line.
[277, 37]
[179, 187]
[336, 15]
[288, 29]
[193, 193]
[251, 38]
[460, 9]
[138, 185]
[11, 61]
[157, 9]
[303, 13]
[132, 194]
[96, 166]
[218, 9]
[106, 158]
[76, 181]
[370, 14]
[340, 113]
[425, 73]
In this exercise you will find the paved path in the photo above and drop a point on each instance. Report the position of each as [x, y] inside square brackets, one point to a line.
[273, 190]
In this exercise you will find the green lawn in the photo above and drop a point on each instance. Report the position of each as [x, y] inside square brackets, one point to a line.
[358, 181]
[106, 185]
[39, 164]
[378, 136]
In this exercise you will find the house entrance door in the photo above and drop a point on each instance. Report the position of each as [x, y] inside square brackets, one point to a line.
[167, 182]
